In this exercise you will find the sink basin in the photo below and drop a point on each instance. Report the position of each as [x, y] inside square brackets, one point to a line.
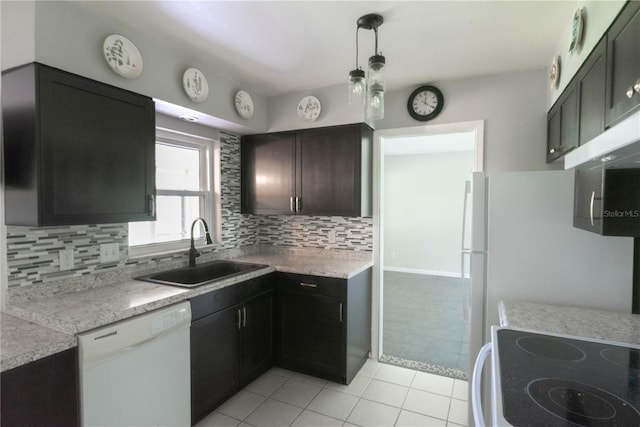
[201, 274]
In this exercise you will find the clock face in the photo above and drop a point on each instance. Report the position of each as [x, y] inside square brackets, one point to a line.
[244, 104]
[425, 103]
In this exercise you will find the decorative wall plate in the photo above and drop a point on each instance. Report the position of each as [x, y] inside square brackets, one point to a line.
[309, 108]
[244, 104]
[554, 74]
[122, 56]
[195, 85]
[575, 40]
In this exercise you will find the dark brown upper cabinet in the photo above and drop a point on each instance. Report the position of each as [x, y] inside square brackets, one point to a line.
[604, 91]
[324, 171]
[562, 124]
[623, 64]
[591, 91]
[76, 151]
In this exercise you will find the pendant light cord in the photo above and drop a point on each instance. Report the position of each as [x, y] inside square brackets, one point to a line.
[357, 29]
[375, 51]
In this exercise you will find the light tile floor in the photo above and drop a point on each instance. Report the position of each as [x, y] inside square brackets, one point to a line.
[380, 395]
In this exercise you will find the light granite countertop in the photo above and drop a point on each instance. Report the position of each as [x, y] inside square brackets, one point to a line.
[28, 335]
[312, 264]
[23, 342]
[580, 322]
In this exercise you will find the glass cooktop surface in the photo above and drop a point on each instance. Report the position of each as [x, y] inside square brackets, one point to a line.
[558, 381]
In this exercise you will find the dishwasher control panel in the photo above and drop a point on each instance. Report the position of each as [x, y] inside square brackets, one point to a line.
[170, 318]
[109, 340]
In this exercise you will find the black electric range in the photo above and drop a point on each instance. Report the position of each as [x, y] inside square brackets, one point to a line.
[552, 380]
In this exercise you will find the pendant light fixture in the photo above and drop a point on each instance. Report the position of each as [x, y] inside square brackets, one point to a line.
[373, 97]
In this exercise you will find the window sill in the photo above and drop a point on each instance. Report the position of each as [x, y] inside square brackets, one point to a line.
[162, 249]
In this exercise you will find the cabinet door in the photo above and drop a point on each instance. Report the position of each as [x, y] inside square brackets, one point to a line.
[591, 92]
[257, 338]
[42, 393]
[562, 133]
[587, 210]
[268, 173]
[98, 151]
[553, 134]
[623, 64]
[328, 175]
[312, 337]
[214, 356]
[569, 121]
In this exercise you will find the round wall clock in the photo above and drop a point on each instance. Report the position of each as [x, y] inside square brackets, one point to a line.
[195, 85]
[309, 108]
[122, 56]
[425, 103]
[244, 104]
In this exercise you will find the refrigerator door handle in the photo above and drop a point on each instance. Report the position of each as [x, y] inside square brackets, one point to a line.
[593, 199]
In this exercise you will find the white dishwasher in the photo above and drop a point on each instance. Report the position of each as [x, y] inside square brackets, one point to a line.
[137, 372]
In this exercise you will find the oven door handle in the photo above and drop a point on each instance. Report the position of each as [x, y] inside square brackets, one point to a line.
[476, 385]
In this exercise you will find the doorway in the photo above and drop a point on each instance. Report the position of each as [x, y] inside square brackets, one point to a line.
[421, 230]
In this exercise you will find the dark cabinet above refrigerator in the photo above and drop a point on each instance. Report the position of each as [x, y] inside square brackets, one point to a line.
[607, 201]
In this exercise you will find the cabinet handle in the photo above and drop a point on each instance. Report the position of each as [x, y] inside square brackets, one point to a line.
[291, 206]
[630, 92]
[553, 150]
[152, 205]
[593, 198]
[244, 317]
[341, 313]
[636, 86]
[238, 319]
[308, 285]
[298, 204]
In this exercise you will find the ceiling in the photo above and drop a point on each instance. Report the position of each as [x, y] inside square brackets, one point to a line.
[280, 47]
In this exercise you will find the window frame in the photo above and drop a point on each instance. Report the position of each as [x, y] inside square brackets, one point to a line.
[209, 181]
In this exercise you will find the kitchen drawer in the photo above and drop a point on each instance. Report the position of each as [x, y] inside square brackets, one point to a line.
[316, 285]
[220, 299]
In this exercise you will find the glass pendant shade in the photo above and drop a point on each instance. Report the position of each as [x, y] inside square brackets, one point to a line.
[375, 88]
[357, 88]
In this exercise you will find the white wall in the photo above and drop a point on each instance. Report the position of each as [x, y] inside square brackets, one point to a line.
[63, 35]
[536, 255]
[423, 211]
[512, 105]
[598, 15]
[18, 44]
[334, 111]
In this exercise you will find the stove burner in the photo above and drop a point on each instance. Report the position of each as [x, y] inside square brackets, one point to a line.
[551, 348]
[581, 403]
[622, 356]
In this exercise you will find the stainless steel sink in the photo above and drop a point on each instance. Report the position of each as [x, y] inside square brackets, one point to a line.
[201, 274]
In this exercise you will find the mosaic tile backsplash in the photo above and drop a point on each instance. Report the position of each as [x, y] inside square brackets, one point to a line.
[32, 253]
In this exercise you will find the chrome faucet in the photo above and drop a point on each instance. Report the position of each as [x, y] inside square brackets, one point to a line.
[193, 252]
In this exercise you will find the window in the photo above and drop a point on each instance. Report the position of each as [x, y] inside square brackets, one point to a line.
[187, 187]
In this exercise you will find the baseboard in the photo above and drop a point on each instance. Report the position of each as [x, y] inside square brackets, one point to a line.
[424, 272]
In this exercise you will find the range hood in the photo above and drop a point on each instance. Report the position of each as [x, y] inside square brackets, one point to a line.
[618, 146]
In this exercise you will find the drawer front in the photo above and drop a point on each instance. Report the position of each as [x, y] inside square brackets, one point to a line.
[217, 300]
[316, 285]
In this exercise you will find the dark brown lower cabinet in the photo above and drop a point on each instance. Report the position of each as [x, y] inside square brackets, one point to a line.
[324, 324]
[42, 393]
[231, 342]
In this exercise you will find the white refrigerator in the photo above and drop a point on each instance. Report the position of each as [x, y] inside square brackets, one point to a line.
[525, 248]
